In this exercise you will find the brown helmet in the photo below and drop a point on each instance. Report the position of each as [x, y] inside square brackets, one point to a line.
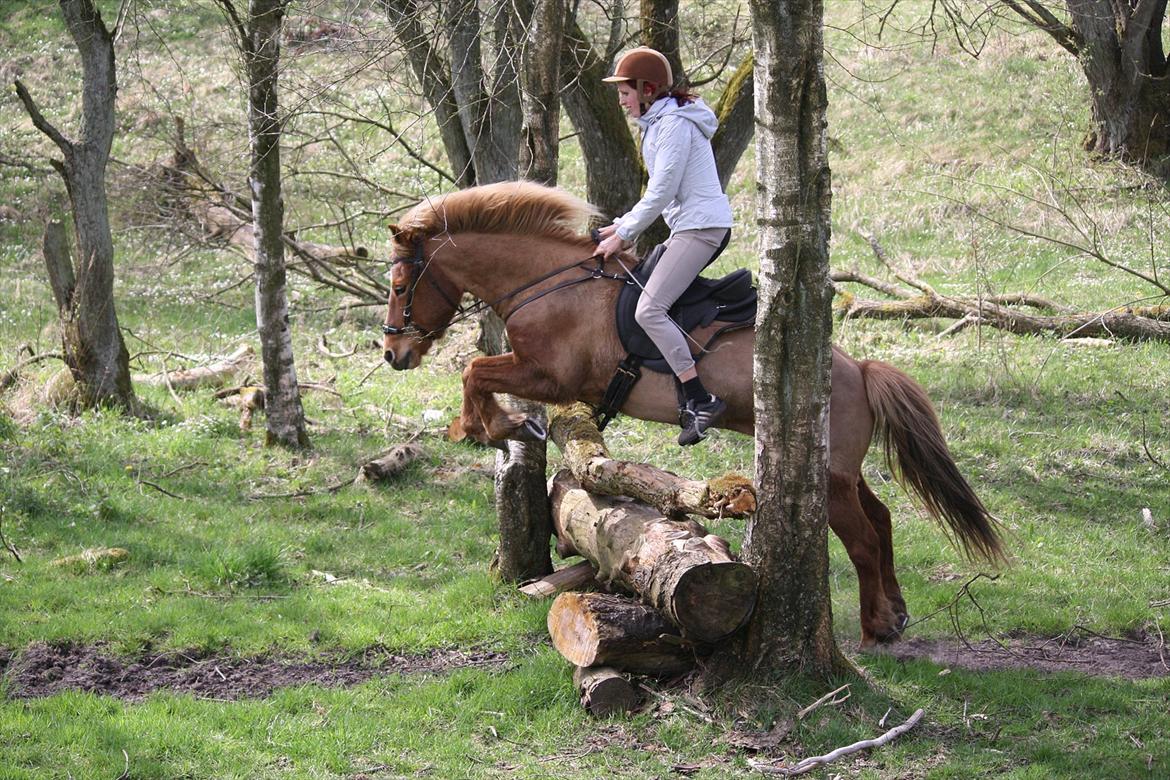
[643, 65]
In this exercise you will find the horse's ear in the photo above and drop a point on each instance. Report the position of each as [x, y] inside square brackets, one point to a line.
[406, 236]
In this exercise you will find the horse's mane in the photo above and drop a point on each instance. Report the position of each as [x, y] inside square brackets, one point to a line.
[507, 207]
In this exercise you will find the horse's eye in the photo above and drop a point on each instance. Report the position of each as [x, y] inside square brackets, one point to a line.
[400, 289]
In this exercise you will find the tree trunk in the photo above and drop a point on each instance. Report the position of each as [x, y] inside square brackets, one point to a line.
[660, 31]
[674, 565]
[284, 414]
[737, 120]
[1125, 66]
[604, 691]
[1119, 46]
[91, 339]
[541, 83]
[787, 540]
[433, 75]
[613, 170]
[522, 507]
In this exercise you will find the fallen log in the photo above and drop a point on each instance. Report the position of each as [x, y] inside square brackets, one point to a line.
[215, 374]
[604, 690]
[390, 464]
[674, 566]
[574, 432]
[1137, 323]
[604, 629]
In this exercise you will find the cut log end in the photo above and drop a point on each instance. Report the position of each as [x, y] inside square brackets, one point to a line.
[604, 691]
[714, 600]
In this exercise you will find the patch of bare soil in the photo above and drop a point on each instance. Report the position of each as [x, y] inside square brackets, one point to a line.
[46, 669]
[1138, 658]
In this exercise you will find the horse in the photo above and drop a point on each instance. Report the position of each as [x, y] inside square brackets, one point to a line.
[519, 249]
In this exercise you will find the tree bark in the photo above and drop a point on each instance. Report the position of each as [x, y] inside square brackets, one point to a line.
[59, 264]
[285, 417]
[737, 120]
[522, 508]
[675, 566]
[660, 31]
[787, 540]
[573, 430]
[541, 86]
[613, 170]
[600, 629]
[91, 339]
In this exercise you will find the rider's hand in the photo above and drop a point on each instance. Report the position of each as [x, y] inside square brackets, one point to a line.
[607, 231]
[611, 245]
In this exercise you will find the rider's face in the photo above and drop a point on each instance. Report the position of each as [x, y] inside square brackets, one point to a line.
[628, 99]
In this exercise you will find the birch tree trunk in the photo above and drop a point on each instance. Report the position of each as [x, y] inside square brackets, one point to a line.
[787, 540]
[283, 412]
[91, 340]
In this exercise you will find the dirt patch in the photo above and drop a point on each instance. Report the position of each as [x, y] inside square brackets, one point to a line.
[46, 669]
[1133, 659]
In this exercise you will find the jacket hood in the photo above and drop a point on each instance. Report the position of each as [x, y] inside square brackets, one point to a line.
[696, 111]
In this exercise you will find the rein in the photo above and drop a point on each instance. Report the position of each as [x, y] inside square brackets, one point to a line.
[597, 271]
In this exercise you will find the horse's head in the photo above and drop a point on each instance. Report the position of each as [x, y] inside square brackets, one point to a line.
[421, 303]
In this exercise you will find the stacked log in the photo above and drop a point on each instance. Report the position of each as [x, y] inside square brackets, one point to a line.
[630, 522]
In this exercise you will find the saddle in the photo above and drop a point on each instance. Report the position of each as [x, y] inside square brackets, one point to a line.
[730, 300]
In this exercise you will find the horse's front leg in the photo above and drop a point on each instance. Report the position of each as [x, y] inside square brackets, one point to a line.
[483, 418]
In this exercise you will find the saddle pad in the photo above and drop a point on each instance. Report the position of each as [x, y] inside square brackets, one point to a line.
[731, 299]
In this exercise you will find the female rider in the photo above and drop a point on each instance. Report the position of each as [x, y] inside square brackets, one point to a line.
[684, 188]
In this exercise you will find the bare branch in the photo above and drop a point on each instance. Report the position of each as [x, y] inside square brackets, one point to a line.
[39, 121]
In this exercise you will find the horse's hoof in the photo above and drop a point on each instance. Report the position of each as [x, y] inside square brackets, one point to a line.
[531, 430]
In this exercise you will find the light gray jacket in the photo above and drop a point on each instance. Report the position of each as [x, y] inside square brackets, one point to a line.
[684, 184]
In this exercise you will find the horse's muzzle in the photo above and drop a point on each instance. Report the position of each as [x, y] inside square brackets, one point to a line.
[397, 362]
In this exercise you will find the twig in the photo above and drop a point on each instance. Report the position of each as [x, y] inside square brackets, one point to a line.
[813, 762]
[159, 488]
[305, 493]
[11, 548]
[826, 699]
[1150, 455]
[125, 771]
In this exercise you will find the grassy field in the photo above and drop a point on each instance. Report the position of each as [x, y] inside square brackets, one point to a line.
[1066, 442]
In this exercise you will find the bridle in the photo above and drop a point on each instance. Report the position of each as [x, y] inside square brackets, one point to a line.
[420, 264]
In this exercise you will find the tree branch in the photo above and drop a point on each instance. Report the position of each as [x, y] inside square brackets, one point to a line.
[39, 121]
[1037, 15]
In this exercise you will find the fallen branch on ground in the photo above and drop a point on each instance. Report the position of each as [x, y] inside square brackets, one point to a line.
[9, 377]
[814, 762]
[1137, 323]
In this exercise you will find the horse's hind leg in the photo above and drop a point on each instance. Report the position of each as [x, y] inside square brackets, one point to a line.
[879, 518]
[852, 526]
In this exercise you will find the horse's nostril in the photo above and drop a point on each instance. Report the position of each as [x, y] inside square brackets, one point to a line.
[388, 355]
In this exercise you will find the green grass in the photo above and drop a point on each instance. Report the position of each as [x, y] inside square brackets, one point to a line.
[1063, 442]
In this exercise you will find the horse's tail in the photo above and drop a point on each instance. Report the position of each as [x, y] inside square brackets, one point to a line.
[917, 452]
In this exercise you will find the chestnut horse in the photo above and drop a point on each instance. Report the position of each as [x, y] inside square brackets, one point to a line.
[516, 246]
